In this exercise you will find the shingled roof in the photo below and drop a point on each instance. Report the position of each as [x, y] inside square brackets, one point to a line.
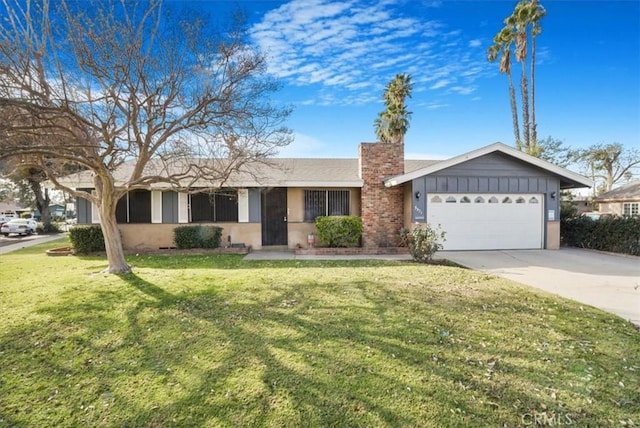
[278, 172]
[628, 192]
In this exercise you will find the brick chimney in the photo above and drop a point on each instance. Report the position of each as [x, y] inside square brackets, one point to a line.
[382, 207]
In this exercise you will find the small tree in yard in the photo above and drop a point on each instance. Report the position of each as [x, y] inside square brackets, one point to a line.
[423, 241]
[95, 86]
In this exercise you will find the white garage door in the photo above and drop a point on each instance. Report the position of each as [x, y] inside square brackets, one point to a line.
[487, 221]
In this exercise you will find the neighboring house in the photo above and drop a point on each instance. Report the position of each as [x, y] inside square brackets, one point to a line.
[495, 197]
[624, 200]
[582, 204]
[9, 210]
[55, 211]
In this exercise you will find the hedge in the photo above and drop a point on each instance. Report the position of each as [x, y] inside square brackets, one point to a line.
[186, 237]
[339, 231]
[86, 239]
[613, 234]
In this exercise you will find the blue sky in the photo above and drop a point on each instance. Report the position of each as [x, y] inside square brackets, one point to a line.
[334, 58]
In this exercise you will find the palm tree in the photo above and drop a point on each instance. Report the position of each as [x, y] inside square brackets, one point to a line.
[392, 124]
[527, 13]
[502, 45]
[538, 12]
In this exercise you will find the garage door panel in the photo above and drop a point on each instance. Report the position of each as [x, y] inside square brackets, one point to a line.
[513, 221]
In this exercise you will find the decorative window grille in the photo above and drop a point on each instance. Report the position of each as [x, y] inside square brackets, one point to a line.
[326, 203]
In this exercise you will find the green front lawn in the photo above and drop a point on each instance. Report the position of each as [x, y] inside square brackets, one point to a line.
[199, 341]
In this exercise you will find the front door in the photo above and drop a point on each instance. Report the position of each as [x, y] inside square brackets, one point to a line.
[274, 216]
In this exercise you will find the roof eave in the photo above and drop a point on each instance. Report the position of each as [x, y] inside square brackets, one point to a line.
[576, 179]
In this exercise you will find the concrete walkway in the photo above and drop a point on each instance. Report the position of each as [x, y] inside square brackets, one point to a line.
[606, 281]
[13, 243]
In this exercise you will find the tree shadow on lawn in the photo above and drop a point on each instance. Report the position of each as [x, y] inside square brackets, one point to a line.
[309, 355]
[226, 261]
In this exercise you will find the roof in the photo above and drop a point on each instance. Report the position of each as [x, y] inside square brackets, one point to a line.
[278, 172]
[11, 206]
[323, 172]
[628, 192]
[568, 179]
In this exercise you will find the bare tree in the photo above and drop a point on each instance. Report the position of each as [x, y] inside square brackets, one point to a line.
[109, 84]
[608, 163]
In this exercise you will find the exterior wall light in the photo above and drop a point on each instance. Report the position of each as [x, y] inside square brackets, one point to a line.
[417, 194]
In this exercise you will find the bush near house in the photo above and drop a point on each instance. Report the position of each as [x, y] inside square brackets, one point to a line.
[339, 231]
[87, 239]
[186, 237]
[614, 234]
[47, 228]
[423, 241]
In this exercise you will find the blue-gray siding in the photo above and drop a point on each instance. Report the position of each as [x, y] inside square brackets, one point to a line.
[83, 208]
[169, 207]
[254, 205]
[492, 173]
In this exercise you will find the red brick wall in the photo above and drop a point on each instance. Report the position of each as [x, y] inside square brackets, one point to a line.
[382, 207]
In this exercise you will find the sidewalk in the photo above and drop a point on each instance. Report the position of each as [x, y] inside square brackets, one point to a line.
[28, 242]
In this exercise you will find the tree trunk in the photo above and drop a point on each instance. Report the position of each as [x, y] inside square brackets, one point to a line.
[514, 113]
[526, 126]
[42, 202]
[112, 239]
[534, 130]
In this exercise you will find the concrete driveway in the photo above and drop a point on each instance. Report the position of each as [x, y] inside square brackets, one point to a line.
[608, 282]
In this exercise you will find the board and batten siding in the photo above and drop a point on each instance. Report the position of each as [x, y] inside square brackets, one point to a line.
[492, 173]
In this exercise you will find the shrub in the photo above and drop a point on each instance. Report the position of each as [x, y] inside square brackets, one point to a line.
[87, 239]
[210, 236]
[614, 234]
[423, 241]
[47, 228]
[186, 237]
[339, 231]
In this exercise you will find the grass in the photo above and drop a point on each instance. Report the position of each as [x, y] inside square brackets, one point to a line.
[203, 341]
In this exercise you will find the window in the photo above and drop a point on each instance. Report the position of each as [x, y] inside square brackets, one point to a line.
[326, 203]
[506, 200]
[122, 210]
[451, 200]
[493, 200]
[479, 200]
[214, 207]
[134, 207]
[631, 209]
[140, 206]
[520, 200]
[533, 200]
[436, 199]
[465, 200]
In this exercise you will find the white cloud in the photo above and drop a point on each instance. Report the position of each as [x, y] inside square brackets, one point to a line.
[355, 47]
[475, 43]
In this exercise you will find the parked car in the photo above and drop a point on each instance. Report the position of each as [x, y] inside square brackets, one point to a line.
[21, 226]
[597, 215]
